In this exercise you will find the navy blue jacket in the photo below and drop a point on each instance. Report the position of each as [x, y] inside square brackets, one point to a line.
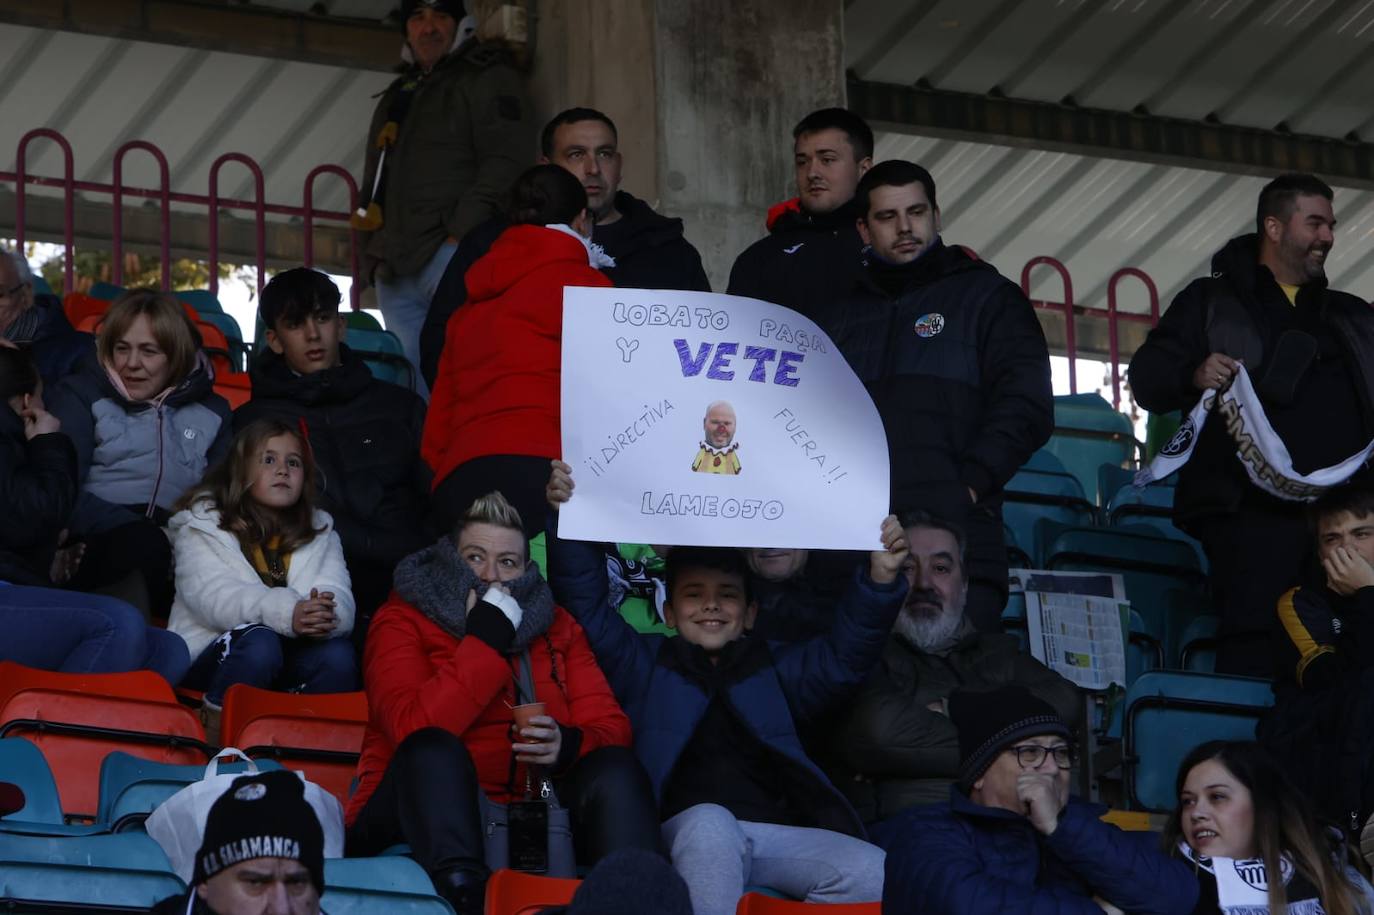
[57, 349]
[964, 858]
[666, 704]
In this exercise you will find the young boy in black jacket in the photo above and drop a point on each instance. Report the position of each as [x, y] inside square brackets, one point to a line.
[364, 433]
[715, 715]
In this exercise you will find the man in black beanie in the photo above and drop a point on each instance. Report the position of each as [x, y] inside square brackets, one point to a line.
[262, 854]
[1011, 838]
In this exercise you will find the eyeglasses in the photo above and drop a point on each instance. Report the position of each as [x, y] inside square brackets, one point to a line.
[1031, 756]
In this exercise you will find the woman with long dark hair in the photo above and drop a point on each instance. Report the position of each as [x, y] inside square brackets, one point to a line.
[1241, 822]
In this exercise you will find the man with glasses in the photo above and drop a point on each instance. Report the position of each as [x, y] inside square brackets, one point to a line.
[1010, 839]
[37, 321]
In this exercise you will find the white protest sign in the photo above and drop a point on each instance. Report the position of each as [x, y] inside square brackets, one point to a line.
[693, 418]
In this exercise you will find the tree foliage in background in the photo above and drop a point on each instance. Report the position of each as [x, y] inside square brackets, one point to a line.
[94, 266]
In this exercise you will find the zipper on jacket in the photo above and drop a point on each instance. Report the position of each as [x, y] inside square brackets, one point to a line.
[157, 481]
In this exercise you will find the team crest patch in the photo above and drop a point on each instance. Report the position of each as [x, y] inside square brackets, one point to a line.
[253, 791]
[930, 325]
[1182, 440]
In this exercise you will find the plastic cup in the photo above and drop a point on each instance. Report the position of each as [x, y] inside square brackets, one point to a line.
[523, 714]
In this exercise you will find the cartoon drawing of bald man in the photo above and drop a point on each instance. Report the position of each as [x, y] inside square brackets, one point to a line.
[719, 450]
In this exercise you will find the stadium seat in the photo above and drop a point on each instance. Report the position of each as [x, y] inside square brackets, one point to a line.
[1197, 644]
[1089, 433]
[1150, 506]
[202, 300]
[76, 719]
[132, 787]
[759, 904]
[320, 735]
[22, 764]
[1170, 712]
[1042, 491]
[384, 355]
[515, 893]
[1144, 649]
[360, 886]
[360, 320]
[235, 387]
[123, 873]
[79, 308]
[233, 336]
[107, 291]
[40, 286]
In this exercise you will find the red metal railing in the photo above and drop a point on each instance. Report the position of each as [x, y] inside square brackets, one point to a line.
[1070, 341]
[166, 197]
[1113, 344]
[308, 229]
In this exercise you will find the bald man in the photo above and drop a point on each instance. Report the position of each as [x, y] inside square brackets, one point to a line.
[719, 450]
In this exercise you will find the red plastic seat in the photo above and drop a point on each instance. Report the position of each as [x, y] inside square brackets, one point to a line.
[320, 734]
[78, 306]
[516, 893]
[77, 719]
[235, 387]
[758, 904]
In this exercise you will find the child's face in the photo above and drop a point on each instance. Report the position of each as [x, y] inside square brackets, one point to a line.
[310, 346]
[281, 473]
[708, 607]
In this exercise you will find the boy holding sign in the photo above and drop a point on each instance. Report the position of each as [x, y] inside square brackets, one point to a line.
[712, 712]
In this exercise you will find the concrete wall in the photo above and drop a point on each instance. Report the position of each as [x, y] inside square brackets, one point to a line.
[705, 94]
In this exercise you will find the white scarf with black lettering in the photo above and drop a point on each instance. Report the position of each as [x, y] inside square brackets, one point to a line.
[1258, 446]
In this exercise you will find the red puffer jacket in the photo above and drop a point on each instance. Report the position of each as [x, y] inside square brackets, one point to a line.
[497, 390]
[419, 676]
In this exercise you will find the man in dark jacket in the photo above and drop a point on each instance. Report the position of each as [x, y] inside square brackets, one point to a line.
[896, 747]
[1010, 839]
[364, 434]
[955, 360]
[1309, 352]
[447, 138]
[715, 714]
[811, 255]
[1322, 724]
[37, 320]
[649, 249]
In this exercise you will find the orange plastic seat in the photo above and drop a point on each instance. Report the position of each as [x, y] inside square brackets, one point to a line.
[517, 893]
[78, 307]
[77, 719]
[319, 734]
[758, 904]
[235, 387]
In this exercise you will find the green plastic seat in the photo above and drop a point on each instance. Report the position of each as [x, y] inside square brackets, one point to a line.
[1168, 713]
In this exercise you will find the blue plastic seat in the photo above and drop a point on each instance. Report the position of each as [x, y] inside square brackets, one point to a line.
[40, 286]
[360, 320]
[1168, 713]
[1197, 644]
[1089, 433]
[1150, 506]
[384, 355]
[107, 291]
[107, 872]
[22, 763]
[238, 350]
[1042, 491]
[202, 300]
[360, 886]
[132, 787]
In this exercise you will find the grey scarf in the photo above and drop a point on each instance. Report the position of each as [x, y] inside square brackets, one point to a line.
[437, 581]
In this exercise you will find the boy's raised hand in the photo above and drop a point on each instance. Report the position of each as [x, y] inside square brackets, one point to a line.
[886, 564]
[560, 486]
[1347, 571]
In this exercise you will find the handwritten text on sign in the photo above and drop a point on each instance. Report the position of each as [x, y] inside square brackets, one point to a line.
[695, 418]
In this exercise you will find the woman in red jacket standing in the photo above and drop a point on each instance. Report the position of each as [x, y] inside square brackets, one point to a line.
[493, 414]
[443, 665]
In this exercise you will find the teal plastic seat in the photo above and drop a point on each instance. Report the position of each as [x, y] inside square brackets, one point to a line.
[40, 286]
[22, 763]
[1150, 506]
[132, 787]
[107, 291]
[238, 350]
[203, 301]
[126, 872]
[1198, 644]
[360, 320]
[1089, 433]
[384, 355]
[1042, 491]
[360, 886]
[1168, 713]
[1152, 568]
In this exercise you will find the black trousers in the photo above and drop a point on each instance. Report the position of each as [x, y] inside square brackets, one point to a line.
[1255, 554]
[141, 547]
[518, 477]
[428, 799]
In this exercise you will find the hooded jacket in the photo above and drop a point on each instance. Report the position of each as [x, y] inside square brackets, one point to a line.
[137, 454]
[806, 263]
[464, 140]
[1241, 311]
[497, 391]
[38, 486]
[364, 435]
[649, 249]
[57, 349]
[961, 857]
[893, 752]
[419, 676]
[218, 588]
[669, 691]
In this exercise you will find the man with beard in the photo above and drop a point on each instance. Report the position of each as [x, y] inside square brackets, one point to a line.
[1309, 351]
[897, 748]
[718, 451]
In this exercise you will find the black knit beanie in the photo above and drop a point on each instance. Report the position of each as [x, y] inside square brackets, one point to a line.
[989, 722]
[410, 7]
[262, 815]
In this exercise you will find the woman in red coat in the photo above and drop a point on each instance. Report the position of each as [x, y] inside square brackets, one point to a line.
[441, 668]
[493, 414]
